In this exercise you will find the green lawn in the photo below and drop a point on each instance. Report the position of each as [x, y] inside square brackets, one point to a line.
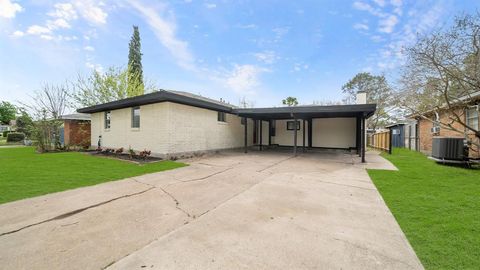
[24, 173]
[437, 207]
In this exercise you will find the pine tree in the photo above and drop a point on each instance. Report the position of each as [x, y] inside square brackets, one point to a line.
[135, 71]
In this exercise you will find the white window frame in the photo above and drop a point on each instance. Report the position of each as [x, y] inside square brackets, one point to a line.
[107, 119]
[133, 117]
[470, 117]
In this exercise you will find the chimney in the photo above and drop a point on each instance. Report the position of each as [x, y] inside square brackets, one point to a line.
[361, 97]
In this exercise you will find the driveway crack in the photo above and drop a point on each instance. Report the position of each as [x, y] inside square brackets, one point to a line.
[177, 203]
[74, 212]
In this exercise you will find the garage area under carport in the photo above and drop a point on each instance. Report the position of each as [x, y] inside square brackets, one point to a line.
[308, 127]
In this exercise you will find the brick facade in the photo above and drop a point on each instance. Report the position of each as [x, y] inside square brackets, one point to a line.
[425, 134]
[77, 132]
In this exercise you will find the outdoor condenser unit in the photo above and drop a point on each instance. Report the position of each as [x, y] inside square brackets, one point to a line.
[448, 148]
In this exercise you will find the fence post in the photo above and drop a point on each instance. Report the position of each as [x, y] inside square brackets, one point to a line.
[390, 142]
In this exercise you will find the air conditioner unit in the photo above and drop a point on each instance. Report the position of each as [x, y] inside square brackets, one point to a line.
[435, 130]
[448, 148]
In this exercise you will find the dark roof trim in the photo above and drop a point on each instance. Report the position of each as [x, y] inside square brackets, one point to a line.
[365, 110]
[156, 97]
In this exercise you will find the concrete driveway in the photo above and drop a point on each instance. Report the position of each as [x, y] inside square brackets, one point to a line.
[263, 210]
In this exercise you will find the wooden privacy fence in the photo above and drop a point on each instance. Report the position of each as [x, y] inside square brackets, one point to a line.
[381, 140]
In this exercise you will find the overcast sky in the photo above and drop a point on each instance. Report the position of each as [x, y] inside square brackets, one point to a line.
[263, 50]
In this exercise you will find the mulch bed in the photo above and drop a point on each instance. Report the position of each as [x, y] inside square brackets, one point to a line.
[126, 157]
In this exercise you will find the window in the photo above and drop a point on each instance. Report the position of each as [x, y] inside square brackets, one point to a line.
[472, 117]
[242, 121]
[290, 125]
[107, 120]
[222, 117]
[135, 117]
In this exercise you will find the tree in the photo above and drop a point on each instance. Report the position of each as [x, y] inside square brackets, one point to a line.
[7, 112]
[441, 74]
[135, 70]
[290, 101]
[98, 88]
[48, 105]
[244, 103]
[24, 123]
[378, 91]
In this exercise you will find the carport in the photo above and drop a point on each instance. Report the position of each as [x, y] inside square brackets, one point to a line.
[305, 116]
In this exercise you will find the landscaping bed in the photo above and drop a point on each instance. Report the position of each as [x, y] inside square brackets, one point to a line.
[437, 207]
[127, 157]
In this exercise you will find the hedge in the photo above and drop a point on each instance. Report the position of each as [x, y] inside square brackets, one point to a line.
[15, 137]
[6, 132]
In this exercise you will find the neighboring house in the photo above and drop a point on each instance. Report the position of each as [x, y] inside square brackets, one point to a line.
[4, 128]
[174, 123]
[427, 129]
[76, 129]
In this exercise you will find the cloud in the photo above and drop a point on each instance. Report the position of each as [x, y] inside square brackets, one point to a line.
[420, 21]
[91, 11]
[64, 11]
[360, 26]
[267, 57]
[379, 2]
[210, 5]
[247, 26]
[18, 34]
[8, 9]
[89, 48]
[96, 67]
[38, 30]
[367, 7]
[58, 23]
[165, 30]
[388, 24]
[243, 79]
[280, 32]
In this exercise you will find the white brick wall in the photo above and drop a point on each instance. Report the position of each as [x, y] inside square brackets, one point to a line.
[170, 128]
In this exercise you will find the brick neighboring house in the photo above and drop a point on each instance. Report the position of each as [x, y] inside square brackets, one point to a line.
[76, 129]
[428, 129]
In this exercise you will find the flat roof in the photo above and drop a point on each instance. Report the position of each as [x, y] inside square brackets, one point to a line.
[353, 110]
[313, 111]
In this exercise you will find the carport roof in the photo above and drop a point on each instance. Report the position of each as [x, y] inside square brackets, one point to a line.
[185, 98]
[305, 112]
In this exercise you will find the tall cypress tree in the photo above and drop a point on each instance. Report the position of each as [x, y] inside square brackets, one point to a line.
[135, 70]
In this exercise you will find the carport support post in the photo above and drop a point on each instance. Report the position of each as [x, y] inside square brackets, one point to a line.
[246, 133]
[261, 139]
[363, 139]
[295, 136]
[303, 135]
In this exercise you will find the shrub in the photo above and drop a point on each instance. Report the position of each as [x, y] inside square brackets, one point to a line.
[6, 132]
[144, 154]
[15, 137]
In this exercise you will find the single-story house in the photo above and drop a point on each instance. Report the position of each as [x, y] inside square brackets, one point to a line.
[76, 129]
[427, 129]
[174, 123]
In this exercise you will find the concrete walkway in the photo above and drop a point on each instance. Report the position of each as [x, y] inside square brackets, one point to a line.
[262, 210]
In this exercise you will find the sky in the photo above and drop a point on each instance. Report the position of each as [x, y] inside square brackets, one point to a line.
[262, 51]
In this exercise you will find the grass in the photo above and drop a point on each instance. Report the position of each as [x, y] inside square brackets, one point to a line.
[25, 173]
[437, 207]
